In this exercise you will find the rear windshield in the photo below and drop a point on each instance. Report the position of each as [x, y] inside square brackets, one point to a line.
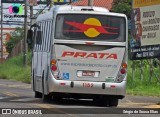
[90, 27]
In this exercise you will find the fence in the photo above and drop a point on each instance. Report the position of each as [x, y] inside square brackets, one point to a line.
[19, 48]
[1, 60]
[152, 68]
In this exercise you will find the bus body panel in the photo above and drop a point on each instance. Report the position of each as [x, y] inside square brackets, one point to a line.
[87, 87]
[103, 59]
[83, 63]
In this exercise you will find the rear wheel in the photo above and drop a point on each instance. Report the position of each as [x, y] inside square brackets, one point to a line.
[57, 97]
[113, 102]
[101, 101]
[37, 94]
[46, 98]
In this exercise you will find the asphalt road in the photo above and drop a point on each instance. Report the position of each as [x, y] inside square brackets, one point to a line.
[19, 96]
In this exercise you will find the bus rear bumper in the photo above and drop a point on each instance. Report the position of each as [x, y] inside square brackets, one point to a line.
[85, 87]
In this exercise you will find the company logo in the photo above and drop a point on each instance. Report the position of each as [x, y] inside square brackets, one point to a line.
[15, 9]
[91, 27]
[90, 55]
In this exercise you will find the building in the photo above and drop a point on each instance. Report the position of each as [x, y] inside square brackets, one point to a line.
[100, 3]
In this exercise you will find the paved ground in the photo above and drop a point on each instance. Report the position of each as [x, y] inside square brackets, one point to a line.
[15, 94]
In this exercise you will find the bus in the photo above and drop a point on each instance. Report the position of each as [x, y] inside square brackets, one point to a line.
[80, 52]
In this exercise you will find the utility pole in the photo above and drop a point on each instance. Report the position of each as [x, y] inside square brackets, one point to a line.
[51, 4]
[31, 14]
[90, 3]
[1, 31]
[25, 35]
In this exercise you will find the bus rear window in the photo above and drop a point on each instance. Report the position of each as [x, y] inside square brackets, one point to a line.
[90, 28]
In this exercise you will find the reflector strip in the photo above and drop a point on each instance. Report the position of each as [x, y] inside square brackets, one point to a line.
[62, 84]
[89, 43]
[113, 86]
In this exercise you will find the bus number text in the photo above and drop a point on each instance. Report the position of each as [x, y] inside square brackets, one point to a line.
[88, 85]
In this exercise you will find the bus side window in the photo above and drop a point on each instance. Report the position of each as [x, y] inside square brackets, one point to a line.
[34, 35]
[39, 37]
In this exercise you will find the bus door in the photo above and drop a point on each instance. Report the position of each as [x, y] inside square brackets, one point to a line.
[37, 57]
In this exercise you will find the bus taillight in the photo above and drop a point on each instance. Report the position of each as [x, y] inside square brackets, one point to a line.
[123, 71]
[124, 65]
[123, 68]
[53, 62]
[53, 65]
[54, 68]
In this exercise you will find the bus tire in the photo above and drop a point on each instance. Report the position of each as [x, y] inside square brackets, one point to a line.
[46, 98]
[113, 102]
[101, 101]
[57, 97]
[37, 94]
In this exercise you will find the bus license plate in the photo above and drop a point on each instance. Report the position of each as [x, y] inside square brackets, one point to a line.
[87, 73]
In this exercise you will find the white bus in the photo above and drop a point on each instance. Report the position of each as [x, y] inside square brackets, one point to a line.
[80, 52]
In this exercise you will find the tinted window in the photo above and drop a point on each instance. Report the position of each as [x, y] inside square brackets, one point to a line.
[90, 27]
[39, 37]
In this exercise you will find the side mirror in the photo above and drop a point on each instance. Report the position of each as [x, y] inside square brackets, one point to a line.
[30, 37]
[39, 37]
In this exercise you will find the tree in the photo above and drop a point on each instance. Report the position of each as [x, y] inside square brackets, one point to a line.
[16, 36]
[122, 6]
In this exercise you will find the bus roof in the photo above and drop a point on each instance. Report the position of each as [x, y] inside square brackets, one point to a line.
[67, 8]
[49, 15]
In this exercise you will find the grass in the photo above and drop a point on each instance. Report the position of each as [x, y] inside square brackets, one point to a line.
[143, 89]
[13, 69]
[145, 86]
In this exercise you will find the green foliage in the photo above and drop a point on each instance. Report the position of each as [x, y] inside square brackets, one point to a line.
[143, 87]
[122, 6]
[146, 64]
[17, 35]
[13, 68]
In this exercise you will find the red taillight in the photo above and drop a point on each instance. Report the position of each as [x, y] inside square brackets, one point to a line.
[54, 68]
[123, 71]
